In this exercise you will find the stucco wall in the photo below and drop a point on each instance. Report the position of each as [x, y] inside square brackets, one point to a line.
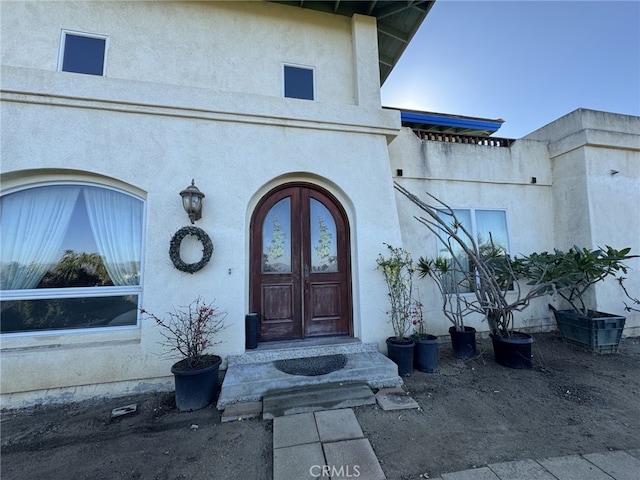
[222, 46]
[473, 176]
[149, 129]
[595, 159]
[586, 167]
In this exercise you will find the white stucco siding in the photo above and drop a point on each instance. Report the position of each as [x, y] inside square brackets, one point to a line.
[472, 176]
[155, 151]
[223, 46]
[615, 219]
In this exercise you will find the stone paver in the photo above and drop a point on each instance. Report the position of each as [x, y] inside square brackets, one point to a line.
[620, 465]
[338, 425]
[521, 470]
[573, 467]
[352, 459]
[298, 462]
[294, 430]
[395, 399]
[482, 473]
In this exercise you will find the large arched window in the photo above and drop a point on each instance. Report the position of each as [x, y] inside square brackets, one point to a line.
[70, 258]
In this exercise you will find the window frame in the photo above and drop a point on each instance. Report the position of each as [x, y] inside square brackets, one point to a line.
[80, 292]
[61, 51]
[312, 69]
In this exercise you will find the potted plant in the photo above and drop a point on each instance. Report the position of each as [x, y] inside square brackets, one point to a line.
[485, 271]
[425, 352]
[397, 269]
[451, 286]
[188, 332]
[574, 272]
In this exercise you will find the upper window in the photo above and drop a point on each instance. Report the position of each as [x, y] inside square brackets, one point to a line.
[299, 82]
[70, 258]
[82, 53]
[489, 230]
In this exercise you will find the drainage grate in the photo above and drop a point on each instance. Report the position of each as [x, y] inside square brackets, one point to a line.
[311, 366]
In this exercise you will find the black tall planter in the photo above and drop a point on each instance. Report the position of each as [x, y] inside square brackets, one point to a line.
[514, 351]
[401, 352]
[463, 344]
[196, 388]
[251, 330]
[425, 353]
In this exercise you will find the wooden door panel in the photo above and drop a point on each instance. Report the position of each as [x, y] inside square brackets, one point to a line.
[325, 310]
[300, 265]
[277, 320]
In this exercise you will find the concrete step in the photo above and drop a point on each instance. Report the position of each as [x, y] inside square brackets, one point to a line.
[285, 350]
[249, 382]
[331, 396]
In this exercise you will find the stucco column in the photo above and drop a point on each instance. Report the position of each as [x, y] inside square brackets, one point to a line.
[365, 61]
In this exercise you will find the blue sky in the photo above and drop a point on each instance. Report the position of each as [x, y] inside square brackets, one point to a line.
[527, 62]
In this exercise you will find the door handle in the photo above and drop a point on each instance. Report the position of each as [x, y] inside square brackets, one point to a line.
[306, 276]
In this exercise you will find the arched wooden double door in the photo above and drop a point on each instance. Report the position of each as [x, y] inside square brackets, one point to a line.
[300, 264]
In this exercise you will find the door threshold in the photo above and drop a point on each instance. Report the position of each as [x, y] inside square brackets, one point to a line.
[306, 342]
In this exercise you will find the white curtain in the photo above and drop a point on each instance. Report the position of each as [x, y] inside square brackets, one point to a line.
[34, 223]
[116, 225]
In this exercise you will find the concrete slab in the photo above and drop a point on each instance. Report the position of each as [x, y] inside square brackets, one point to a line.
[336, 425]
[318, 397]
[241, 411]
[395, 399]
[294, 430]
[298, 462]
[521, 470]
[483, 473]
[634, 453]
[352, 459]
[249, 382]
[573, 467]
[619, 464]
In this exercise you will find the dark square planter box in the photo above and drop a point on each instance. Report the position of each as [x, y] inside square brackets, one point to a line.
[600, 333]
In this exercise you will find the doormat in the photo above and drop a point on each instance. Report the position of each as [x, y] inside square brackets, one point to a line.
[311, 366]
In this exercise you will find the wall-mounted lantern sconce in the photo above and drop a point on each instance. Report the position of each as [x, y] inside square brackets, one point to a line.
[192, 201]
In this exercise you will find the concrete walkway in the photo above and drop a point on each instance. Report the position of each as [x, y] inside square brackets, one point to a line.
[614, 465]
[330, 444]
[323, 444]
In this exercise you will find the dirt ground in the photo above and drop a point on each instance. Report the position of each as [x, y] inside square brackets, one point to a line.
[473, 412]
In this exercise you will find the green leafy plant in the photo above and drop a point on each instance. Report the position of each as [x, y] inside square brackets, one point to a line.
[189, 330]
[451, 287]
[486, 270]
[398, 269]
[575, 271]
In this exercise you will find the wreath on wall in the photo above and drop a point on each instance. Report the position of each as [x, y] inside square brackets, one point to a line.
[174, 249]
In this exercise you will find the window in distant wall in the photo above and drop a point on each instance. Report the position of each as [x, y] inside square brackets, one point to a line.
[299, 82]
[488, 228]
[82, 53]
[70, 258]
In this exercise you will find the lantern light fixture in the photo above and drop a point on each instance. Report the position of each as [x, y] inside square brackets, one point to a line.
[192, 201]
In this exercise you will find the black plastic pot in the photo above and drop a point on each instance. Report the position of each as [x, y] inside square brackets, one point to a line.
[251, 330]
[514, 351]
[463, 344]
[196, 388]
[425, 353]
[401, 352]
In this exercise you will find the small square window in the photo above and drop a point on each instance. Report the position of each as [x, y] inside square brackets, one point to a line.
[81, 53]
[298, 82]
